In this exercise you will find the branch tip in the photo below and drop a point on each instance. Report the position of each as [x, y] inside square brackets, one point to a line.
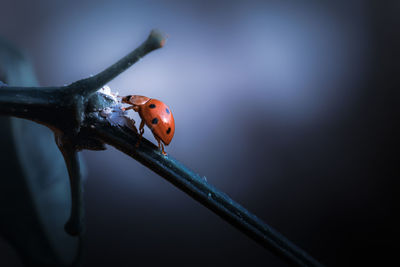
[157, 38]
[87, 86]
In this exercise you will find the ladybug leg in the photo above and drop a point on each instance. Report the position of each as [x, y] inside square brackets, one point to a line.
[164, 153]
[128, 108]
[160, 145]
[141, 132]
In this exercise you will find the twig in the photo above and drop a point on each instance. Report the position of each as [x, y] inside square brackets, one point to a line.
[76, 120]
[199, 189]
[75, 224]
[89, 85]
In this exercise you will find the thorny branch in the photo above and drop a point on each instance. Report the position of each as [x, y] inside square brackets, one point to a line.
[84, 117]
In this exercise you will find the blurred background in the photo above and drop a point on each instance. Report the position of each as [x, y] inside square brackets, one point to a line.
[289, 107]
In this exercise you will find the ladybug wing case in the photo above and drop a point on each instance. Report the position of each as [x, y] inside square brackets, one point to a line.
[158, 117]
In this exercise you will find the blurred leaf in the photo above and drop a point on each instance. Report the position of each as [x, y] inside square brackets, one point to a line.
[34, 186]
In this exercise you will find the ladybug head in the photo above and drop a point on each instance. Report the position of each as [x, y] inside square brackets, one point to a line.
[126, 99]
[135, 100]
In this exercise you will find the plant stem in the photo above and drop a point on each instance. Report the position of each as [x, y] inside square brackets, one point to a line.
[73, 112]
[75, 224]
[24, 100]
[89, 85]
[192, 184]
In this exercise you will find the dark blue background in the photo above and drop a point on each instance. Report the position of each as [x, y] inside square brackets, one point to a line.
[287, 106]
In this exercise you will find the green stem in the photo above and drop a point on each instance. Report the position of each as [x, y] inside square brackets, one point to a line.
[192, 184]
[33, 103]
[74, 110]
[89, 85]
[75, 224]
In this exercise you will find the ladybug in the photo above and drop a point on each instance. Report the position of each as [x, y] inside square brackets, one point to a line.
[156, 115]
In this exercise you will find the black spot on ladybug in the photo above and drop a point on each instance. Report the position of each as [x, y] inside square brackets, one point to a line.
[152, 106]
[169, 129]
[154, 121]
[167, 110]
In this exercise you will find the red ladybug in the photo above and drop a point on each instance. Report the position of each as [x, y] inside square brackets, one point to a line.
[156, 115]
